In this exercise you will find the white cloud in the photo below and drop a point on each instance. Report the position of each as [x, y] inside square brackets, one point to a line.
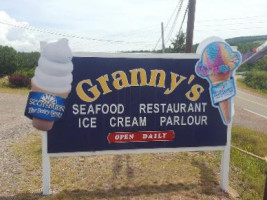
[134, 21]
[24, 37]
[18, 38]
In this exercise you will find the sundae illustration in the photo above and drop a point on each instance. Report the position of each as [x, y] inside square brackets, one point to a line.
[217, 64]
[50, 85]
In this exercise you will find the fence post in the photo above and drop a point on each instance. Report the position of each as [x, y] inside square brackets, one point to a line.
[225, 161]
[46, 165]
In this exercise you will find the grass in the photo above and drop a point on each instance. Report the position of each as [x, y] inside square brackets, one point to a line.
[248, 173]
[144, 176]
[6, 88]
[240, 84]
[249, 140]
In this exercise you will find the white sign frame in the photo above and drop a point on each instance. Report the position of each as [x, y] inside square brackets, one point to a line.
[225, 159]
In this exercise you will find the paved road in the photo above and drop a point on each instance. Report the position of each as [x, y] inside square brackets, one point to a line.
[250, 111]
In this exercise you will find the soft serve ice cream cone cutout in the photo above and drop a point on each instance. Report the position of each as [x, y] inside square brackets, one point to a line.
[217, 64]
[51, 84]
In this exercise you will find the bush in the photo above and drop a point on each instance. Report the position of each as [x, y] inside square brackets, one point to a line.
[19, 81]
[8, 64]
[256, 80]
[25, 72]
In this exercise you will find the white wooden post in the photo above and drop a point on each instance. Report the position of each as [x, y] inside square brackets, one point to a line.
[225, 161]
[46, 165]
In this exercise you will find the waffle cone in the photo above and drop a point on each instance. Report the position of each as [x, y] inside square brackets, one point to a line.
[225, 106]
[41, 124]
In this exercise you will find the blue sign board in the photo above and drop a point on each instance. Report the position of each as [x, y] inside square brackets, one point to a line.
[136, 103]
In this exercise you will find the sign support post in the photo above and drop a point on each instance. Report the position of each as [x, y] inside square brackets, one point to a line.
[225, 161]
[46, 165]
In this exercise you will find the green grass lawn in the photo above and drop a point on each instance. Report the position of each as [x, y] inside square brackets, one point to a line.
[143, 176]
[248, 173]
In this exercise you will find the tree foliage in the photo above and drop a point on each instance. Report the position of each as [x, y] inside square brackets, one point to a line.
[257, 80]
[246, 47]
[178, 44]
[246, 39]
[259, 65]
[27, 60]
[7, 60]
[11, 60]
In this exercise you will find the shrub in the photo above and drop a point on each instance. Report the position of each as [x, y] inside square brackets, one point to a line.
[25, 72]
[256, 79]
[19, 81]
[8, 63]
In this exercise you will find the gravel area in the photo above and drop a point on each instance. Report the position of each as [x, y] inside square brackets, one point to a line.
[13, 127]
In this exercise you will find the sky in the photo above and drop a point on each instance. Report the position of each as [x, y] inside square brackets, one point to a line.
[123, 25]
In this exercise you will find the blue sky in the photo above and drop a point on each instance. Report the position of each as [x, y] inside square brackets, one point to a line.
[135, 22]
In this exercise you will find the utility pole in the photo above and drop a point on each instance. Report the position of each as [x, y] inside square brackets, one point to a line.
[190, 25]
[162, 37]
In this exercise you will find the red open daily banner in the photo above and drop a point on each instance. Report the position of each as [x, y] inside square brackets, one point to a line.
[140, 136]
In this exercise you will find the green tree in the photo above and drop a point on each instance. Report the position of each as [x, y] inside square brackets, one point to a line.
[8, 64]
[260, 65]
[178, 44]
[27, 61]
[246, 47]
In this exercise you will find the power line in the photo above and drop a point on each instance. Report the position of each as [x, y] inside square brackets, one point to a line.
[181, 26]
[32, 28]
[133, 32]
[177, 6]
[174, 22]
[174, 11]
[186, 11]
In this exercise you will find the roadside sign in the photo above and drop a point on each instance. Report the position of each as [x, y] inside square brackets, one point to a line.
[146, 102]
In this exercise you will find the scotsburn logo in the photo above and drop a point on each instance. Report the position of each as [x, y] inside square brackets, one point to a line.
[48, 99]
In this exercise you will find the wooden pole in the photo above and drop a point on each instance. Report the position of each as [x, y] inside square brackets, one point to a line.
[162, 37]
[190, 26]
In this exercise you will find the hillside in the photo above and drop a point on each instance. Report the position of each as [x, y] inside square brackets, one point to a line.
[246, 39]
